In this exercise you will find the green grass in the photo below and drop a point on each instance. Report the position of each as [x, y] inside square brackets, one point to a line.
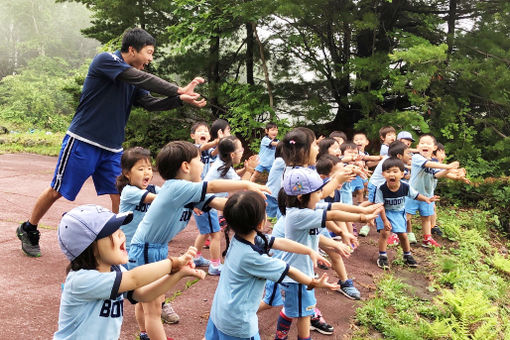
[37, 142]
[470, 281]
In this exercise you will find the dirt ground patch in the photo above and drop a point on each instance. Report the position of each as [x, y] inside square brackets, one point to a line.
[31, 287]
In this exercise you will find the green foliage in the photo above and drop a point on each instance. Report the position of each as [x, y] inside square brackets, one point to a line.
[32, 141]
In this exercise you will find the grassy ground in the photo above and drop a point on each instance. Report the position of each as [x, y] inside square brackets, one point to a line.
[464, 292]
[37, 142]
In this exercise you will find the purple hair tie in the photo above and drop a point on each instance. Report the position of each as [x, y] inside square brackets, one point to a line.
[292, 141]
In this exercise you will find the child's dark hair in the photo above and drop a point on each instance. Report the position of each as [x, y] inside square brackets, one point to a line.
[324, 145]
[86, 260]
[171, 157]
[439, 147]
[271, 125]
[244, 211]
[393, 162]
[325, 164]
[127, 161]
[278, 150]
[385, 130]
[136, 38]
[198, 124]
[348, 145]
[295, 202]
[359, 133]
[429, 135]
[296, 146]
[396, 148]
[282, 201]
[338, 134]
[218, 124]
[226, 146]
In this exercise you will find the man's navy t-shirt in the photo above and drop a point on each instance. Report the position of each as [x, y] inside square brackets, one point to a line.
[105, 103]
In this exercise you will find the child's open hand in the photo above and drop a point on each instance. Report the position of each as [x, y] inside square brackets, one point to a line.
[260, 189]
[344, 249]
[184, 260]
[251, 163]
[434, 198]
[317, 258]
[387, 225]
[322, 282]
[197, 211]
[349, 238]
[344, 174]
[190, 271]
[372, 208]
[453, 165]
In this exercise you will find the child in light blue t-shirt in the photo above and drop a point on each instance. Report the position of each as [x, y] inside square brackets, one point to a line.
[388, 135]
[274, 183]
[237, 297]
[267, 150]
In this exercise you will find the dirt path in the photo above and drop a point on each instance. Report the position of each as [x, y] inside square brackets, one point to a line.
[31, 287]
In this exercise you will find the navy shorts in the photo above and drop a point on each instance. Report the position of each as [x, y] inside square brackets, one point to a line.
[78, 161]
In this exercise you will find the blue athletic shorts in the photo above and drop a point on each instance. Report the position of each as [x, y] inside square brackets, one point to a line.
[358, 183]
[272, 209]
[207, 223]
[424, 208]
[143, 253]
[213, 333]
[397, 219]
[298, 301]
[371, 192]
[78, 161]
[261, 168]
[273, 294]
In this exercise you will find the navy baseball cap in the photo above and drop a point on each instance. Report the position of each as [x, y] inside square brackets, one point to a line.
[405, 135]
[302, 181]
[84, 224]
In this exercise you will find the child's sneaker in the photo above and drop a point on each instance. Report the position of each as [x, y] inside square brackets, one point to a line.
[168, 314]
[201, 262]
[144, 336]
[393, 239]
[29, 240]
[207, 243]
[382, 262]
[223, 222]
[412, 238]
[364, 230]
[347, 288]
[436, 231]
[410, 261]
[214, 270]
[429, 243]
[319, 324]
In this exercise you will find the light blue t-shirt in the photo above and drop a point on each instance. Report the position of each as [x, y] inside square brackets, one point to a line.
[171, 210]
[422, 178]
[303, 226]
[377, 177]
[266, 152]
[274, 180]
[394, 200]
[243, 276]
[207, 158]
[131, 199]
[384, 150]
[90, 306]
[214, 173]
[346, 193]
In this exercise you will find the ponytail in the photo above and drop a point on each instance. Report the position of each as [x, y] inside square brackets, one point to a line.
[226, 146]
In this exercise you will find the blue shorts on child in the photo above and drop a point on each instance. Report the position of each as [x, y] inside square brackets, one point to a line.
[261, 168]
[299, 301]
[397, 219]
[207, 222]
[358, 183]
[140, 254]
[213, 333]
[425, 209]
[272, 209]
[371, 192]
[78, 161]
[273, 294]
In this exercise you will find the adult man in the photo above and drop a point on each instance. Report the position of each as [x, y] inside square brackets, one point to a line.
[93, 143]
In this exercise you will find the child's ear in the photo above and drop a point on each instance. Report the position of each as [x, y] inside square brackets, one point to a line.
[185, 167]
[435, 148]
[399, 156]
[192, 135]
[299, 197]
[125, 173]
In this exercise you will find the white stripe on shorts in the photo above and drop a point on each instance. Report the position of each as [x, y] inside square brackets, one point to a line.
[63, 163]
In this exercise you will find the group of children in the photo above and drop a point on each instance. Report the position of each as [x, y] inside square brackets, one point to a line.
[315, 189]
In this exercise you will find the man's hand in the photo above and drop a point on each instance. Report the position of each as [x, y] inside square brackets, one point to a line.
[192, 99]
[190, 88]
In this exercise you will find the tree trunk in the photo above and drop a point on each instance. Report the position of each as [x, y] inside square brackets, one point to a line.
[249, 54]
[452, 12]
[214, 74]
[264, 65]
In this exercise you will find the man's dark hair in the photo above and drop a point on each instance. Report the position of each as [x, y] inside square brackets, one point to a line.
[393, 162]
[137, 38]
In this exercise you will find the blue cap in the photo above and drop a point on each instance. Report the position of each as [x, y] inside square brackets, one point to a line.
[405, 135]
[302, 181]
[84, 224]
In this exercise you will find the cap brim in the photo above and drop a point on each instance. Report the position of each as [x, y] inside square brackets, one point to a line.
[114, 223]
[323, 184]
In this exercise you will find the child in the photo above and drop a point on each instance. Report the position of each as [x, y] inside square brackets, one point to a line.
[91, 306]
[387, 134]
[200, 135]
[303, 224]
[230, 152]
[274, 183]
[219, 129]
[339, 136]
[267, 150]
[179, 165]
[329, 146]
[423, 174]
[394, 193]
[359, 184]
[237, 297]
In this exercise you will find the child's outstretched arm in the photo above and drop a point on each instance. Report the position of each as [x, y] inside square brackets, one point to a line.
[150, 197]
[339, 247]
[208, 145]
[340, 177]
[437, 165]
[340, 228]
[355, 208]
[312, 283]
[424, 198]
[180, 267]
[298, 248]
[225, 185]
[337, 215]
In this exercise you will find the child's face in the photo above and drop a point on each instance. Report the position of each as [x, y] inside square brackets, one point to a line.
[407, 142]
[406, 158]
[201, 135]
[315, 197]
[314, 151]
[140, 175]
[196, 167]
[440, 155]
[361, 141]
[272, 132]
[225, 132]
[238, 153]
[389, 138]
[393, 175]
[339, 140]
[351, 153]
[426, 146]
[334, 150]
[112, 249]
